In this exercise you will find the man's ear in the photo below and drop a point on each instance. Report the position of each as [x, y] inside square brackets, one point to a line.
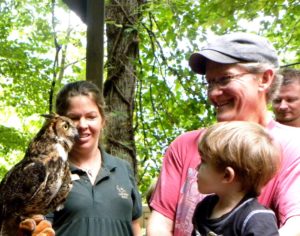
[266, 80]
[229, 175]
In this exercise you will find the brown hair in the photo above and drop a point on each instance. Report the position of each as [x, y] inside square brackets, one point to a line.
[290, 75]
[79, 88]
[244, 146]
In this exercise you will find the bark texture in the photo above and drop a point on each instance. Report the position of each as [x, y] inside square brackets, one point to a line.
[119, 88]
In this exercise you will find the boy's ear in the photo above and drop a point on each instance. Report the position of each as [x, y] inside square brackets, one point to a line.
[229, 175]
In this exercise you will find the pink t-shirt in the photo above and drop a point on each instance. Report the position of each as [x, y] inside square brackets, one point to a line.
[176, 194]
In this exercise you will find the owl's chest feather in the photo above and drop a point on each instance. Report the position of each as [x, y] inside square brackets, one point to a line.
[61, 151]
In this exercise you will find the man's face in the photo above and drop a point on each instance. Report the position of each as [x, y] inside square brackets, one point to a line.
[287, 105]
[240, 97]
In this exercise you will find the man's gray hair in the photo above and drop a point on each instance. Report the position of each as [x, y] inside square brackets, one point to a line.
[258, 67]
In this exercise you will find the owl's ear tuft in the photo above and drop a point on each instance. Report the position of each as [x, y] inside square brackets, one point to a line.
[49, 116]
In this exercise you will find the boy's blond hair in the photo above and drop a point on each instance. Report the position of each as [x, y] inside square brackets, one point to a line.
[247, 148]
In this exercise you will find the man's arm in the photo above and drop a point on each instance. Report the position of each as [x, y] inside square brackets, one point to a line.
[291, 227]
[160, 225]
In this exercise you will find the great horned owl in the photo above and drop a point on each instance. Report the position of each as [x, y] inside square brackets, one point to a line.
[41, 181]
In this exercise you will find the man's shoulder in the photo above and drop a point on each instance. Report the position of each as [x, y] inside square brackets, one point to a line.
[287, 136]
[190, 136]
[278, 129]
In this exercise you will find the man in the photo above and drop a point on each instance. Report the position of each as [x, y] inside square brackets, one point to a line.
[241, 74]
[286, 105]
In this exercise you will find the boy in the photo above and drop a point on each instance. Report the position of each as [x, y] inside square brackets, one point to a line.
[238, 159]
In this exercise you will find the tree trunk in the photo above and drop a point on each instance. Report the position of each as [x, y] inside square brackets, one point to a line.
[119, 87]
[95, 42]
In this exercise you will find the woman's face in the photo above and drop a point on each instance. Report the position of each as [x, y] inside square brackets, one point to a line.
[85, 113]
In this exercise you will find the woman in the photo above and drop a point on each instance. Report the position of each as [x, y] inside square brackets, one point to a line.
[104, 199]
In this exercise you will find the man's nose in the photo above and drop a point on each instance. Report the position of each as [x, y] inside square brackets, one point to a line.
[214, 92]
[283, 105]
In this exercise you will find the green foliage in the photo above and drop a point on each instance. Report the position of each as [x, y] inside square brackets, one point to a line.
[170, 99]
[14, 141]
[14, 138]
[27, 70]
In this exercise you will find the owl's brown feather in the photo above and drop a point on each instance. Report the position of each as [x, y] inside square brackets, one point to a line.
[41, 181]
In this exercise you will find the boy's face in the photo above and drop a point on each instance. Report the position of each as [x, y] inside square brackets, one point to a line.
[209, 178]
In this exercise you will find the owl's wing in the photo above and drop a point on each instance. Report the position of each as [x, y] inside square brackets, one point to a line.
[19, 186]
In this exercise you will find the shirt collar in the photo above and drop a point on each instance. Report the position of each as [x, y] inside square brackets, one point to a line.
[108, 163]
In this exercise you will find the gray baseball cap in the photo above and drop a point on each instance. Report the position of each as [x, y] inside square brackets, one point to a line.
[234, 48]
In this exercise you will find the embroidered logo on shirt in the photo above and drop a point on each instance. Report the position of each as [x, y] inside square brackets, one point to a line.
[122, 192]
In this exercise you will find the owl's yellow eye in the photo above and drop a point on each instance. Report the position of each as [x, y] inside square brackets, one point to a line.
[66, 126]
